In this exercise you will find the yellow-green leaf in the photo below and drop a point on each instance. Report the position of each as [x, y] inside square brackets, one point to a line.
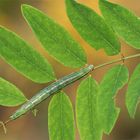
[92, 27]
[133, 92]
[54, 38]
[86, 110]
[113, 80]
[10, 95]
[124, 22]
[25, 59]
[61, 118]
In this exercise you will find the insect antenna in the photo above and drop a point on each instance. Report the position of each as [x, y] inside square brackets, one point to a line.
[3, 124]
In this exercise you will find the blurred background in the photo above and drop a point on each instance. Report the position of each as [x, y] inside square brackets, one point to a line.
[29, 127]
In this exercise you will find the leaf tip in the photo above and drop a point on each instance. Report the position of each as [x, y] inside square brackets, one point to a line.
[25, 8]
[131, 112]
[132, 115]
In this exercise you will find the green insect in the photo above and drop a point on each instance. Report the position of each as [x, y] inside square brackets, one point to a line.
[46, 92]
[53, 88]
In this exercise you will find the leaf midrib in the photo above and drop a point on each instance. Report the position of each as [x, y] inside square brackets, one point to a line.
[61, 116]
[90, 108]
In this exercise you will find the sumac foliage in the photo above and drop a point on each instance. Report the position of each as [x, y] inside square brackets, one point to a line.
[96, 110]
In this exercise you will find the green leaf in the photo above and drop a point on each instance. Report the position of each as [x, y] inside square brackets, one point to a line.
[133, 92]
[124, 22]
[61, 118]
[113, 80]
[86, 110]
[25, 59]
[92, 27]
[54, 38]
[10, 95]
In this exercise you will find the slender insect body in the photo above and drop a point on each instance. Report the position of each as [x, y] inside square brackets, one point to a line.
[53, 88]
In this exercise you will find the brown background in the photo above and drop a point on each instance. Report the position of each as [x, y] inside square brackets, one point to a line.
[29, 127]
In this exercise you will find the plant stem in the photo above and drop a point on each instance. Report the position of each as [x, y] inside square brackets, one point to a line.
[117, 60]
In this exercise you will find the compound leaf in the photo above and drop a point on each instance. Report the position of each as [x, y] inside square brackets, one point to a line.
[124, 22]
[10, 95]
[92, 27]
[86, 110]
[113, 80]
[25, 59]
[61, 118]
[133, 92]
[54, 38]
